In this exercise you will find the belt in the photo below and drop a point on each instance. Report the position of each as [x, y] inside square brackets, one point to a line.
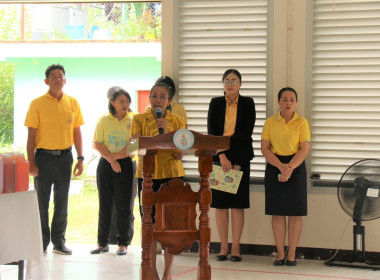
[54, 152]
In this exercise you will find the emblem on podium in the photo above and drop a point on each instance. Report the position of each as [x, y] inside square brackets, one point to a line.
[183, 139]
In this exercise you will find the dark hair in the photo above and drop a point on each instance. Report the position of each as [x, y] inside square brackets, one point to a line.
[169, 82]
[54, 67]
[286, 89]
[229, 71]
[112, 95]
[161, 85]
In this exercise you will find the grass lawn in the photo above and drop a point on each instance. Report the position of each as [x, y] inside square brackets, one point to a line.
[82, 223]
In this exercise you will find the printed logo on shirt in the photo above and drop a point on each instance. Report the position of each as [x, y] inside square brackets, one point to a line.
[116, 141]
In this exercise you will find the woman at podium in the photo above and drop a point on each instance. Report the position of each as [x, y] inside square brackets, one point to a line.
[168, 163]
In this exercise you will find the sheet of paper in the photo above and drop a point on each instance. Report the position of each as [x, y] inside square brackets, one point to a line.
[225, 181]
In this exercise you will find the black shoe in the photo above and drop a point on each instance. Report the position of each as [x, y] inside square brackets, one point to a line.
[279, 262]
[235, 258]
[121, 251]
[100, 250]
[221, 257]
[291, 263]
[63, 250]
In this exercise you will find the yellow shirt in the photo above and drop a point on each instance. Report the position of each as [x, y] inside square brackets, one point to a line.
[179, 110]
[230, 118]
[286, 137]
[166, 166]
[112, 133]
[54, 120]
[134, 154]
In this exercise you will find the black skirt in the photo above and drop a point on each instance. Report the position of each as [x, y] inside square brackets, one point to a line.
[240, 200]
[285, 198]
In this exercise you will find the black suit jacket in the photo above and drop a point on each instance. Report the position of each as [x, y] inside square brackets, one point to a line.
[241, 149]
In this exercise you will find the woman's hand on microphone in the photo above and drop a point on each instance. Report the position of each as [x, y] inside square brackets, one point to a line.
[162, 123]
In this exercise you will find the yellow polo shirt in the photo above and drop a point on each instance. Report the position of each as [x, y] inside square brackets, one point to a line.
[134, 154]
[112, 133]
[166, 166]
[230, 118]
[179, 110]
[54, 120]
[286, 137]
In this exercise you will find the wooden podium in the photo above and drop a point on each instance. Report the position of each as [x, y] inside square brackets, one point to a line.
[175, 202]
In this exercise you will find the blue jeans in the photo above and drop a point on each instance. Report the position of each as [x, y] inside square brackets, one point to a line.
[53, 170]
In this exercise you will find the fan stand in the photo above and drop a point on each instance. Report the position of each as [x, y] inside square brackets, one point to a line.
[358, 231]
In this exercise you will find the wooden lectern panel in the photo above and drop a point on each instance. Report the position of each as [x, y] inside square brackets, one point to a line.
[176, 202]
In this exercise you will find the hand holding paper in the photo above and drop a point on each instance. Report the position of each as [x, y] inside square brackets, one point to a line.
[225, 181]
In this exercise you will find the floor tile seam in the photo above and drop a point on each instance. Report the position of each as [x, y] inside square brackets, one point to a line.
[91, 262]
[291, 273]
[190, 270]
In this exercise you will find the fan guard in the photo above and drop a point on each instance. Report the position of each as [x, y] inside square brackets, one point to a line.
[358, 195]
[369, 169]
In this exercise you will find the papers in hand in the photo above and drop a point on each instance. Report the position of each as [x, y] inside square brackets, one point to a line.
[133, 147]
[225, 181]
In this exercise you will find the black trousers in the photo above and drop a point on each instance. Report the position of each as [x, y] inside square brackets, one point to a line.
[53, 170]
[132, 205]
[115, 188]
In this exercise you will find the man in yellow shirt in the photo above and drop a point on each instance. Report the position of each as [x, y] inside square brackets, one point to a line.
[53, 122]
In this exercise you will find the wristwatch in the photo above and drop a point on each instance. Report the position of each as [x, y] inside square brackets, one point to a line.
[80, 158]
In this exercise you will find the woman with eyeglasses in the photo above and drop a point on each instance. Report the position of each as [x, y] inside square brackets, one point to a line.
[168, 163]
[232, 115]
[114, 174]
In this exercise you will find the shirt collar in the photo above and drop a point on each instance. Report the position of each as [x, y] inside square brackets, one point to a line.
[229, 102]
[296, 116]
[51, 97]
[126, 117]
[149, 115]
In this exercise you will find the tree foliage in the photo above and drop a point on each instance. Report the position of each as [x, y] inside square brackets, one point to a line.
[9, 19]
[7, 102]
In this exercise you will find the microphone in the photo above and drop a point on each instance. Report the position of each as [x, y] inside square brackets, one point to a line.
[158, 113]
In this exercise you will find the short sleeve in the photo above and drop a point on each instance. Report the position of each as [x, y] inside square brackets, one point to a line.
[32, 119]
[136, 125]
[265, 134]
[99, 131]
[304, 131]
[78, 117]
[180, 123]
[179, 110]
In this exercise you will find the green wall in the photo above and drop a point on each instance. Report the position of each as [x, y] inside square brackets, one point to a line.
[88, 79]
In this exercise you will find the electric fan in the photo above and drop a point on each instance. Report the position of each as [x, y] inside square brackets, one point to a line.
[358, 194]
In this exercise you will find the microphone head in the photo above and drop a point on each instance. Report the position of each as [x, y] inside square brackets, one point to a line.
[158, 111]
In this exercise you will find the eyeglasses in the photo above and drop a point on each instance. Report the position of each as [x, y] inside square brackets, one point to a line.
[228, 82]
[122, 102]
[161, 97]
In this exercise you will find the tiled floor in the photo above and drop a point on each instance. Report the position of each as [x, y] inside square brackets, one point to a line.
[83, 266]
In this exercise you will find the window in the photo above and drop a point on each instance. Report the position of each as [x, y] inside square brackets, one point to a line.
[135, 22]
[214, 36]
[344, 86]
